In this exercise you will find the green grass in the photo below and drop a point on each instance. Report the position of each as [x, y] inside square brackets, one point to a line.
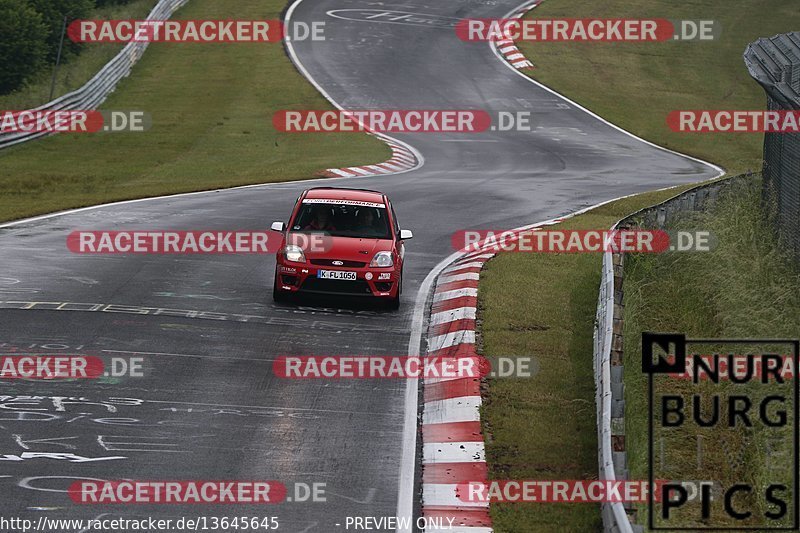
[746, 288]
[211, 106]
[544, 427]
[544, 304]
[635, 85]
[75, 70]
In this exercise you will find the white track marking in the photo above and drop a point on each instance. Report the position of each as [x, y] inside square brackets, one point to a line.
[451, 315]
[453, 452]
[457, 293]
[459, 277]
[479, 255]
[444, 495]
[465, 336]
[461, 409]
[461, 266]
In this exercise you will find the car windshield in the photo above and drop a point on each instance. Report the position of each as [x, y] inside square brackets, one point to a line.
[343, 219]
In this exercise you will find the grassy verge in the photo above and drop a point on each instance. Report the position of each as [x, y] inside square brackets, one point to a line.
[544, 427]
[77, 70]
[746, 288]
[636, 85]
[544, 305]
[211, 106]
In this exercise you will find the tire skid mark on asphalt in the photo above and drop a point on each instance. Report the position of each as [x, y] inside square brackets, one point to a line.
[285, 408]
[135, 310]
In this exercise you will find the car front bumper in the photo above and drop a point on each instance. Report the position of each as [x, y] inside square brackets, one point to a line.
[303, 278]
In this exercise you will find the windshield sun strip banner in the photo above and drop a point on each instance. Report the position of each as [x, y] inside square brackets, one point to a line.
[343, 202]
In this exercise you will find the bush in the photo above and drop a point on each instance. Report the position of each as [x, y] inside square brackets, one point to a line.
[23, 47]
[53, 13]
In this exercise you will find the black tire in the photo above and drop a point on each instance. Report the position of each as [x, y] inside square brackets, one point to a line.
[394, 303]
[278, 295]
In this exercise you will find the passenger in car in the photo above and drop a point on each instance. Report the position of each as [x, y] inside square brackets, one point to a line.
[367, 220]
[321, 220]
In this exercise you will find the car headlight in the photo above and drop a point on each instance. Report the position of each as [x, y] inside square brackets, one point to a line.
[294, 254]
[382, 259]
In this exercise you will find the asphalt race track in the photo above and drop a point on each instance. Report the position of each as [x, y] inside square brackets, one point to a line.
[208, 406]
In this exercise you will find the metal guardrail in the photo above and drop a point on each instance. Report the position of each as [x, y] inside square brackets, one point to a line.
[615, 518]
[96, 90]
[775, 64]
[608, 347]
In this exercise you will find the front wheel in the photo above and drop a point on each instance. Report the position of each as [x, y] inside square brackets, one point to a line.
[278, 295]
[394, 303]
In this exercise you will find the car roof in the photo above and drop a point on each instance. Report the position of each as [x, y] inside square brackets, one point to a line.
[335, 193]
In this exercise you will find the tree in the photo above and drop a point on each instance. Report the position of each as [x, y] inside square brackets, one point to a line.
[53, 12]
[103, 3]
[23, 43]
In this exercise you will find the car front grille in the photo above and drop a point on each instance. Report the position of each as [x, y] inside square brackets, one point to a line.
[329, 262]
[336, 286]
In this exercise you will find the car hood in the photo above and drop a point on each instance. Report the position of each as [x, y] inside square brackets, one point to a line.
[350, 249]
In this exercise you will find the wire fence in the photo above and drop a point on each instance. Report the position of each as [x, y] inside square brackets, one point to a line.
[775, 64]
[96, 90]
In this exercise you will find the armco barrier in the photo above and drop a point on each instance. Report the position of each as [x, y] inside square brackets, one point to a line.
[608, 348]
[615, 517]
[775, 64]
[95, 91]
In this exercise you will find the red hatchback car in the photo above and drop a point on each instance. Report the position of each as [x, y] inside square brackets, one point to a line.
[343, 242]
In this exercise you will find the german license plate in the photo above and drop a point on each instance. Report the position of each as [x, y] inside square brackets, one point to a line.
[336, 274]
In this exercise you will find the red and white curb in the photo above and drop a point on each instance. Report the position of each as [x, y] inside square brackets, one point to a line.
[452, 443]
[402, 159]
[506, 47]
[453, 449]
